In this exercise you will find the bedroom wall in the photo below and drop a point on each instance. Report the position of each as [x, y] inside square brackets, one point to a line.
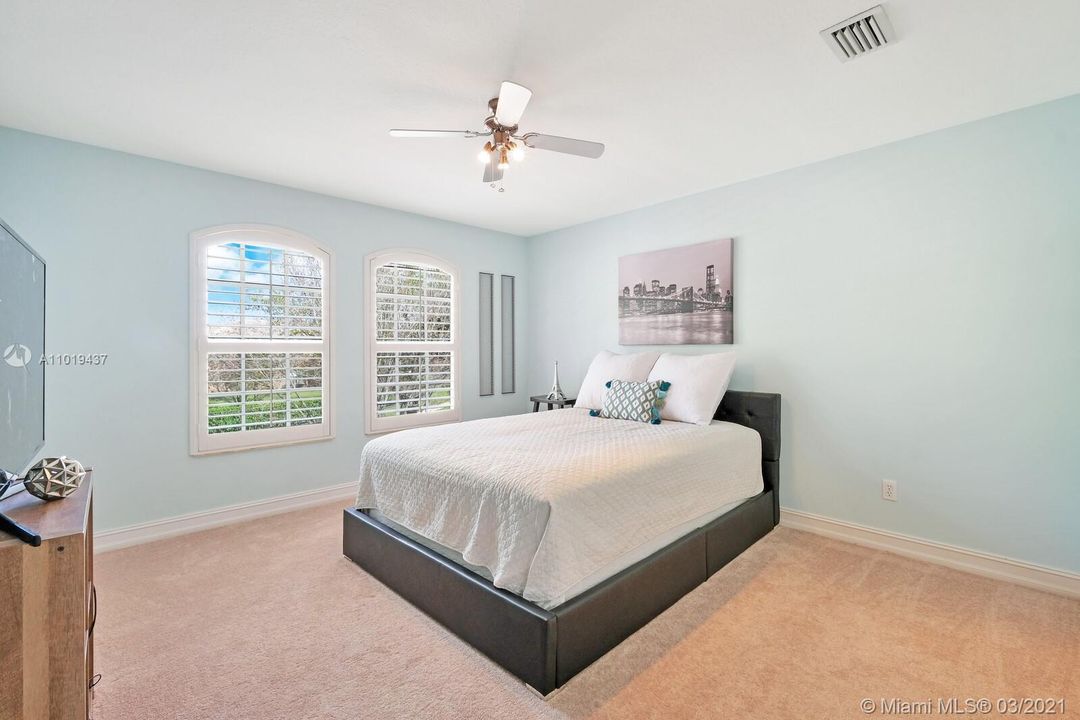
[916, 305]
[113, 229]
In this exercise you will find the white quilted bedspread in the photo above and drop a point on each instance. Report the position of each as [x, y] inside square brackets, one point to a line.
[543, 500]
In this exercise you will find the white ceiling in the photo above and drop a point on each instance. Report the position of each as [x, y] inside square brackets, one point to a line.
[687, 94]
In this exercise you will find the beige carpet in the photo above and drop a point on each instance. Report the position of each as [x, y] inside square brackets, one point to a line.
[268, 620]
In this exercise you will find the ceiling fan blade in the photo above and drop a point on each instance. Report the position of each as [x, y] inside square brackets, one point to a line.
[492, 171]
[513, 99]
[396, 132]
[570, 146]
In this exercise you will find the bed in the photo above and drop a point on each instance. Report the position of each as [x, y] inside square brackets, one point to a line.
[542, 541]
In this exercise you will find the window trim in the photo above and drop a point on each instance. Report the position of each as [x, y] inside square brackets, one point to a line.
[202, 442]
[374, 425]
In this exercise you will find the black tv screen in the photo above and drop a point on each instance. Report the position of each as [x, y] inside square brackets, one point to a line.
[22, 344]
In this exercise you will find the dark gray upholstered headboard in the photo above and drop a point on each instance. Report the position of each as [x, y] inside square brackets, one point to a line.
[761, 412]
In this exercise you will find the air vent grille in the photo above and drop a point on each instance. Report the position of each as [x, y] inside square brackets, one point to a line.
[861, 34]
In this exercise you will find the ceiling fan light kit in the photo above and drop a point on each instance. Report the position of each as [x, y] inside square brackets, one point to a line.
[505, 143]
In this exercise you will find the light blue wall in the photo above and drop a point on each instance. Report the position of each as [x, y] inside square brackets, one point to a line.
[113, 229]
[917, 305]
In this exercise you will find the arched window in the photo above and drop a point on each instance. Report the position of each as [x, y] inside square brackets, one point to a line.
[412, 341]
[260, 365]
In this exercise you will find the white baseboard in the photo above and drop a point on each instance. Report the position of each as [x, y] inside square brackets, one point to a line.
[183, 524]
[985, 564]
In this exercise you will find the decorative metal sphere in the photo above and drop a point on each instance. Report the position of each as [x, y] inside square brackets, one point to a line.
[54, 478]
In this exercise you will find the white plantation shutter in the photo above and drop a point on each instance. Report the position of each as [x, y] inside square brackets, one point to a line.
[260, 339]
[412, 382]
[258, 391]
[412, 303]
[262, 293]
[412, 341]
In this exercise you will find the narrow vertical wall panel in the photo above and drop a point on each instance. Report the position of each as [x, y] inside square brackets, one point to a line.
[487, 334]
[508, 360]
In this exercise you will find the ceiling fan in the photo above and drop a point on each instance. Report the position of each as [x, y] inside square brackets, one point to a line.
[505, 143]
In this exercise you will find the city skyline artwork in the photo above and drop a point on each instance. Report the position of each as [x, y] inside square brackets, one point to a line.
[677, 296]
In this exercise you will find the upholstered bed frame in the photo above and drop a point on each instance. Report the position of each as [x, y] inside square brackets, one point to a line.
[545, 648]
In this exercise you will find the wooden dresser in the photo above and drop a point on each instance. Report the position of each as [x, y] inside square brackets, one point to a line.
[47, 609]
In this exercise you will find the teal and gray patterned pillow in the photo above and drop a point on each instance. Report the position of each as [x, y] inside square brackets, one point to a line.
[640, 401]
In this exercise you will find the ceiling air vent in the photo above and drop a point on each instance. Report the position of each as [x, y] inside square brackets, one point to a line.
[868, 31]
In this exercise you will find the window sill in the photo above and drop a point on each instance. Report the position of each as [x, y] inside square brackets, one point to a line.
[260, 446]
[369, 432]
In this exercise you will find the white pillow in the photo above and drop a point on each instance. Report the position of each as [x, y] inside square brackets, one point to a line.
[610, 366]
[698, 384]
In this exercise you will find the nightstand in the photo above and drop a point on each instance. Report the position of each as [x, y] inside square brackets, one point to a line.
[538, 400]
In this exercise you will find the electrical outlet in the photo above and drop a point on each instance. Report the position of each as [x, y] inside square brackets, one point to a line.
[888, 490]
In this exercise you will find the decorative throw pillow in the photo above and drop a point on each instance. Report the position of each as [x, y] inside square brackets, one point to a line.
[611, 366]
[639, 401]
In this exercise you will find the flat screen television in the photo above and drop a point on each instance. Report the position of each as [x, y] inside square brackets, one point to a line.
[22, 344]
